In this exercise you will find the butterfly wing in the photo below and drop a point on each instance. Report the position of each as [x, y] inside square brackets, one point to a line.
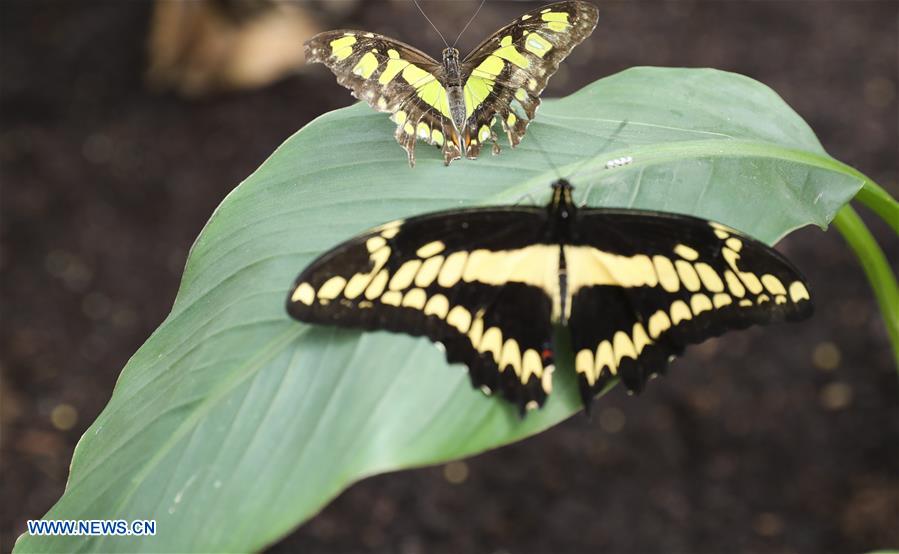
[471, 280]
[644, 285]
[514, 65]
[392, 77]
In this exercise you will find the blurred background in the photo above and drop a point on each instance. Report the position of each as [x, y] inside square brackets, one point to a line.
[123, 125]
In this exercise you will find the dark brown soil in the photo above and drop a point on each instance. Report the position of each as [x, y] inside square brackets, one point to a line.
[784, 439]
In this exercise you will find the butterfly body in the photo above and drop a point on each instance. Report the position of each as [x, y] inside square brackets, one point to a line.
[633, 287]
[454, 104]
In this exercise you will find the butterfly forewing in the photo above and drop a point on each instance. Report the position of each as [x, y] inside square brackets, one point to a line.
[511, 68]
[643, 285]
[478, 282]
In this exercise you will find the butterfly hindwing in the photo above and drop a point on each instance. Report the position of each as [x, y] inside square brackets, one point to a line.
[395, 78]
[514, 65]
[473, 281]
[644, 285]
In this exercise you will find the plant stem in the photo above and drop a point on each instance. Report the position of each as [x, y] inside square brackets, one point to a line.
[876, 268]
[880, 202]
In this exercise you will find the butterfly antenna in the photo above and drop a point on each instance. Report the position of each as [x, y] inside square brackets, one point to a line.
[602, 147]
[469, 23]
[417, 5]
[544, 153]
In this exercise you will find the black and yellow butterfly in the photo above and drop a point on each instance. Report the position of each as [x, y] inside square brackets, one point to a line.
[633, 287]
[453, 104]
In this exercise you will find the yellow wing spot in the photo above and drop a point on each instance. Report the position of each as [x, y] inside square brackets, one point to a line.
[721, 299]
[525, 17]
[605, 358]
[687, 275]
[721, 234]
[409, 129]
[415, 298]
[521, 95]
[437, 137]
[382, 103]
[342, 48]
[667, 275]
[556, 21]
[404, 275]
[532, 83]
[745, 302]
[798, 292]
[428, 272]
[762, 298]
[511, 356]
[533, 265]
[780, 299]
[437, 305]
[686, 252]
[623, 347]
[492, 342]
[332, 287]
[484, 133]
[536, 44]
[531, 365]
[366, 66]
[474, 142]
[640, 338]
[680, 312]
[375, 243]
[658, 324]
[356, 285]
[304, 293]
[751, 281]
[773, 284]
[700, 303]
[508, 52]
[734, 244]
[478, 87]
[546, 380]
[589, 266]
[709, 277]
[393, 68]
[424, 132]
[476, 333]
[721, 227]
[430, 249]
[452, 269]
[460, 318]
[391, 232]
[510, 121]
[545, 10]
[734, 285]
[584, 363]
[376, 287]
[399, 117]
[392, 298]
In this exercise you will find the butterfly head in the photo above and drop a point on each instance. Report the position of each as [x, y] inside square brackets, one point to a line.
[562, 205]
[450, 56]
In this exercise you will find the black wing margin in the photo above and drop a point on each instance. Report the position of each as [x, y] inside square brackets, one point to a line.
[644, 285]
[450, 277]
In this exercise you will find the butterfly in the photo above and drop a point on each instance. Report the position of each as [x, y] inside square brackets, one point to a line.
[633, 287]
[454, 104]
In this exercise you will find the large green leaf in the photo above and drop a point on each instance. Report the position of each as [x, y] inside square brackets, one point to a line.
[233, 424]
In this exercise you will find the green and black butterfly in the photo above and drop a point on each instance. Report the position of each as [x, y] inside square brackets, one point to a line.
[633, 287]
[454, 104]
